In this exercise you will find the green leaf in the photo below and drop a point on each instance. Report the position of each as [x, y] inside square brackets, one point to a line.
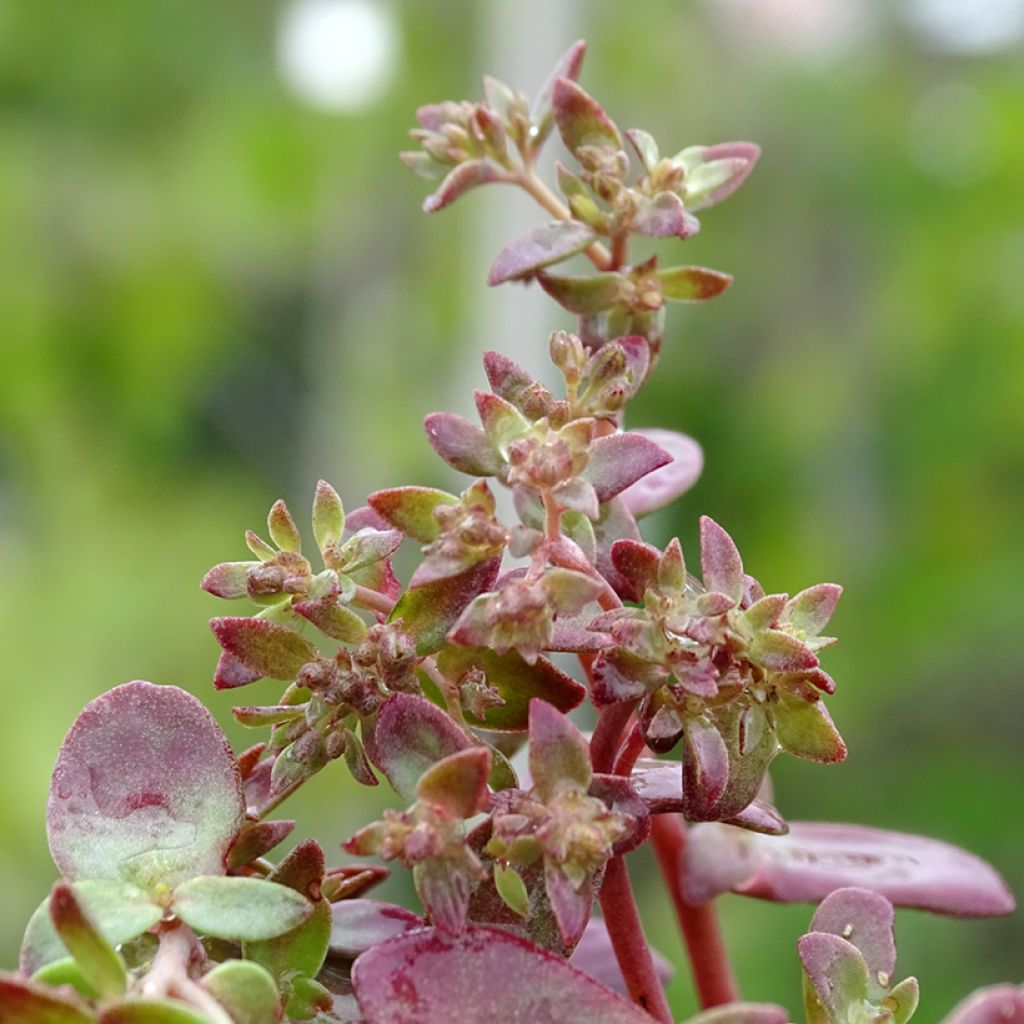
[146, 790]
[903, 1000]
[152, 1011]
[120, 912]
[429, 611]
[302, 949]
[516, 681]
[328, 516]
[692, 284]
[333, 618]
[99, 961]
[266, 647]
[66, 972]
[512, 889]
[24, 1002]
[583, 295]
[411, 509]
[246, 991]
[805, 730]
[283, 531]
[244, 909]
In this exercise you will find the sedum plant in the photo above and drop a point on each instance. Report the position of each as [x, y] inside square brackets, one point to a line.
[454, 687]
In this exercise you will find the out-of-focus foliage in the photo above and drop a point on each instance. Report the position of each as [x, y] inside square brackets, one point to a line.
[212, 294]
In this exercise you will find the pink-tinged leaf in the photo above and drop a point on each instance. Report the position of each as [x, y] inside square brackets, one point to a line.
[574, 634]
[742, 157]
[462, 445]
[515, 385]
[366, 547]
[328, 516]
[459, 180]
[705, 769]
[996, 1004]
[619, 460]
[570, 902]
[501, 420]
[429, 611]
[760, 816]
[262, 646]
[228, 580]
[444, 892]
[418, 978]
[559, 754]
[581, 119]
[303, 868]
[865, 919]
[254, 839]
[692, 284]
[583, 295]
[816, 858]
[411, 735]
[568, 66]
[23, 1002]
[333, 618]
[781, 652]
[283, 531]
[741, 1013]
[616, 522]
[805, 729]
[411, 509]
[666, 484]
[230, 672]
[594, 956]
[458, 782]
[636, 560]
[359, 925]
[665, 216]
[837, 972]
[645, 148]
[516, 682]
[618, 794]
[363, 517]
[538, 248]
[811, 609]
[145, 790]
[721, 565]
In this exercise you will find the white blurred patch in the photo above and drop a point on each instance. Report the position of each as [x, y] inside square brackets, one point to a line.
[338, 55]
[968, 26]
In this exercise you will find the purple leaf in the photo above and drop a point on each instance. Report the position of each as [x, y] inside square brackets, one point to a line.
[501, 420]
[568, 66]
[760, 816]
[228, 580]
[515, 385]
[670, 481]
[636, 560]
[721, 565]
[865, 919]
[538, 248]
[515, 681]
[595, 956]
[462, 445]
[429, 611]
[460, 180]
[358, 925]
[665, 216]
[411, 735]
[571, 902]
[418, 978]
[254, 839]
[411, 509]
[619, 460]
[145, 790]
[581, 119]
[692, 284]
[559, 755]
[262, 646]
[836, 970]
[705, 768]
[230, 672]
[618, 794]
[817, 858]
[616, 522]
[996, 1004]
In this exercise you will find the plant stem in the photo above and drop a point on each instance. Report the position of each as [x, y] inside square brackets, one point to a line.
[604, 744]
[631, 750]
[620, 250]
[709, 961]
[373, 600]
[528, 180]
[629, 943]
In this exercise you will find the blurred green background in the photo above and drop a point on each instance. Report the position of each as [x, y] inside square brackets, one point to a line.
[217, 286]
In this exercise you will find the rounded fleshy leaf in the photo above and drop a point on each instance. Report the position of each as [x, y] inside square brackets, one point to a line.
[837, 973]
[101, 965]
[418, 978]
[459, 181]
[617, 461]
[666, 484]
[816, 858]
[254, 839]
[692, 284]
[24, 1002]
[559, 754]
[721, 565]
[152, 1011]
[462, 445]
[247, 909]
[458, 782]
[411, 509]
[411, 735]
[358, 925]
[269, 648]
[246, 991]
[145, 790]
[995, 1004]
[228, 580]
[865, 919]
[580, 118]
[539, 248]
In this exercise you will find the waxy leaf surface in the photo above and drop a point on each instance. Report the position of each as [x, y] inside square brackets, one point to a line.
[667, 483]
[539, 248]
[418, 978]
[247, 909]
[359, 924]
[995, 1004]
[145, 790]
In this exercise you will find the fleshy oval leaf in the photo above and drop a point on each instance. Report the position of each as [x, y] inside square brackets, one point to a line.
[145, 790]
[667, 483]
[358, 925]
[995, 1004]
[540, 247]
[620, 460]
[246, 909]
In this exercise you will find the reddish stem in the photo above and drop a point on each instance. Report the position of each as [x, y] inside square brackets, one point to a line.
[631, 750]
[629, 943]
[604, 744]
[709, 961]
